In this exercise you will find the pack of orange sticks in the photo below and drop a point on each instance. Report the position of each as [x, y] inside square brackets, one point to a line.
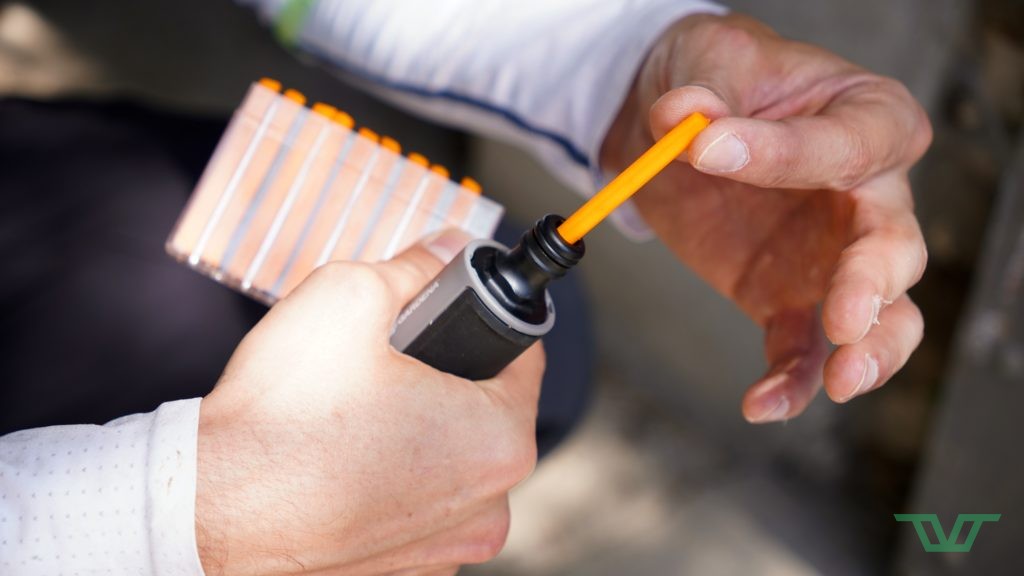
[290, 188]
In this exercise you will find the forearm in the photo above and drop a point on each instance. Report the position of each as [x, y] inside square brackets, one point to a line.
[91, 498]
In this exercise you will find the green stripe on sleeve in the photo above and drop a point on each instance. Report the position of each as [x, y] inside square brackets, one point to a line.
[290, 21]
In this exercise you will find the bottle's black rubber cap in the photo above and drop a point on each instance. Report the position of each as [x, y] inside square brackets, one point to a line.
[519, 277]
[545, 235]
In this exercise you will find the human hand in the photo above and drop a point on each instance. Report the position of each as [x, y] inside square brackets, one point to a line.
[322, 448]
[796, 196]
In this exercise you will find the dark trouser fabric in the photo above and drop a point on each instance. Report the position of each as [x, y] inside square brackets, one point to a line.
[96, 321]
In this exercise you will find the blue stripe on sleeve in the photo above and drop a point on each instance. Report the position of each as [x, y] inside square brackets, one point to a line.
[577, 155]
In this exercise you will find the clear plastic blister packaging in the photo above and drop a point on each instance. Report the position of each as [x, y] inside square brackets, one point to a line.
[290, 188]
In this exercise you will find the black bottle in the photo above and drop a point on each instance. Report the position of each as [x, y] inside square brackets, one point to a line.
[489, 304]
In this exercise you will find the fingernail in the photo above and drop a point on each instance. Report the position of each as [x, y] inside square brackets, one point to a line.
[867, 378]
[781, 407]
[776, 414]
[726, 154]
[446, 244]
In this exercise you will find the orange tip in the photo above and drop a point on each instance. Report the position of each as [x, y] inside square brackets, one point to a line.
[325, 110]
[420, 159]
[440, 170]
[270, 84]
[295, 96]
[369, 134]
[391, 144]
[472, 185]
[344, 119]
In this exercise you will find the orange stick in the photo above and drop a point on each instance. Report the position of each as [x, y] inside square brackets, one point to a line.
[640, 172]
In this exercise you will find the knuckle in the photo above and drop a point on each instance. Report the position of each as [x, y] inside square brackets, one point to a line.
[524, 461]
[923, 134]
[912, 336]
[918, 331]
[364, 277]
[917, 320]
[921, 131]
[513, 462]
[855, 164]
[917, 257]
[353, 282]
[489, 538]
[893, 87]
[854, 259]
[330, 273]
[731, 34]
[540, 356]
[919, 125]
[533, 363]
[777, 178]
[493, 538]
[783, 160]
[922, 261]
[911, 255]
[416, 265]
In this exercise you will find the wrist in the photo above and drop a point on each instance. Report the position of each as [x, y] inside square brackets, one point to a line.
[221, 470]
[210, 540]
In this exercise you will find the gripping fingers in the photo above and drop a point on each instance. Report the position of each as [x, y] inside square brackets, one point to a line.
[858, 368]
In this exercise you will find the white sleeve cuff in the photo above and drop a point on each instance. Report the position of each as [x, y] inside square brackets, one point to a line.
[171, 489]
[118, 498]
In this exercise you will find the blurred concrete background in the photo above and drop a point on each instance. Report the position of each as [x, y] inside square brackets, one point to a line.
[664, 477]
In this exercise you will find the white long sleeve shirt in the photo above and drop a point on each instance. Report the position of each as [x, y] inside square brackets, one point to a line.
[547, 75]
[113, 499]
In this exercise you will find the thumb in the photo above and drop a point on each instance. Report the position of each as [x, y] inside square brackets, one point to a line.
[867, 128]
[408, 272]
